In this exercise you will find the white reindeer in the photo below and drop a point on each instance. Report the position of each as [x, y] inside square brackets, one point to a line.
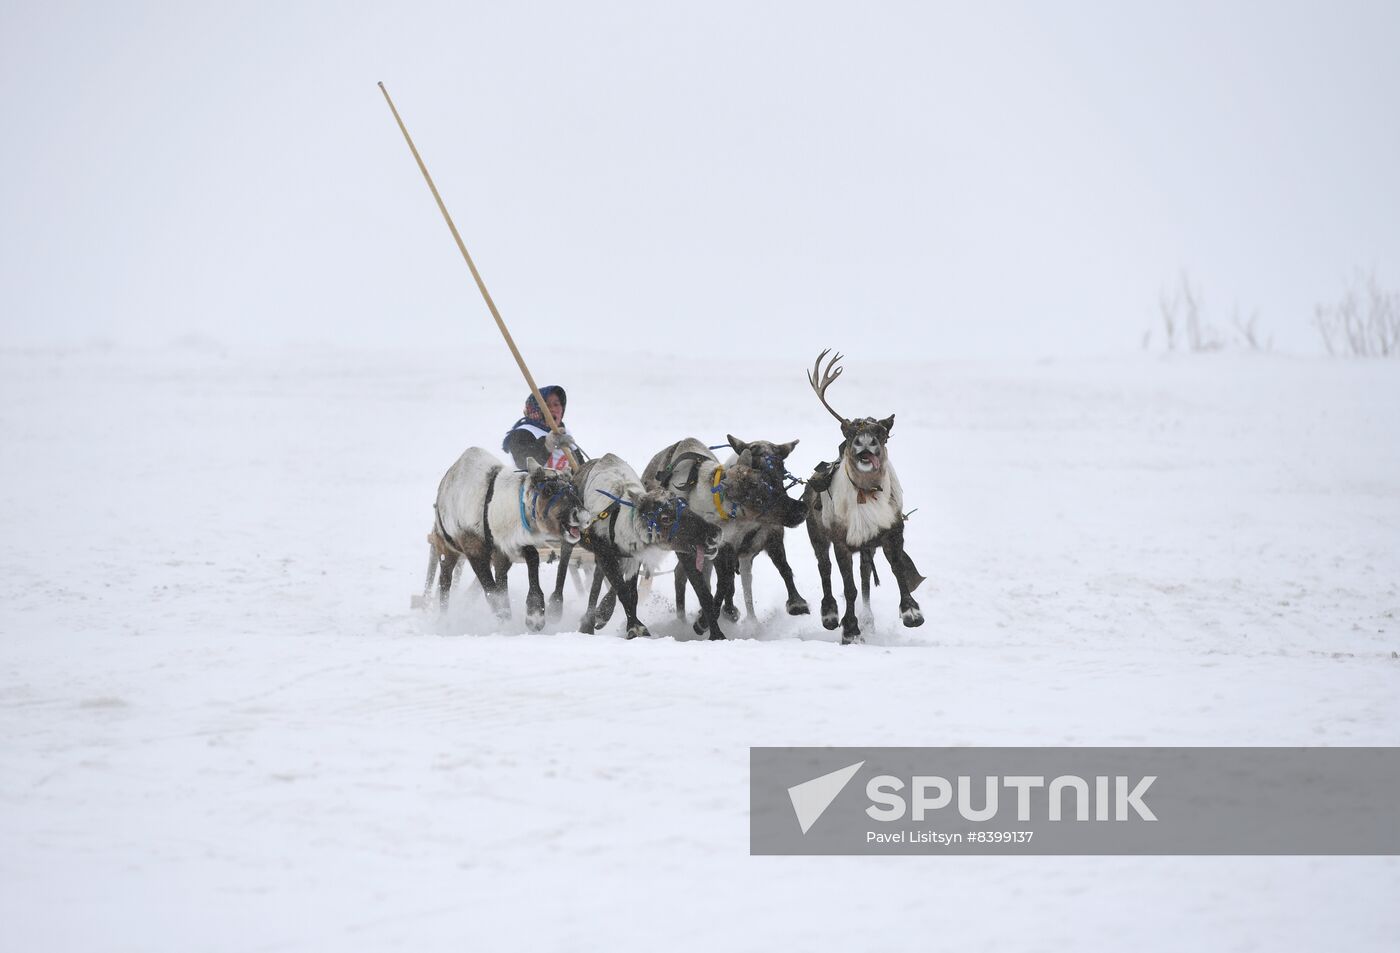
[494, 515]
[631, 522]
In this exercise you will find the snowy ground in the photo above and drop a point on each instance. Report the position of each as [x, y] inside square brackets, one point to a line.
[223, 729]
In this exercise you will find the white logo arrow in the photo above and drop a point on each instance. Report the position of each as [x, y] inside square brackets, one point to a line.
[810, 799]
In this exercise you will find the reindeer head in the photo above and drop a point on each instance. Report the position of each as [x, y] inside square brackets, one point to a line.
[667, 521]
[768, 461]
[742, 490]
[863, 450]
[552, 503]
[863, 440]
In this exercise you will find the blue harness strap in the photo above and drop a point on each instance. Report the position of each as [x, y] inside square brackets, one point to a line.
[566, 491]
[680, 508]
[615, 499]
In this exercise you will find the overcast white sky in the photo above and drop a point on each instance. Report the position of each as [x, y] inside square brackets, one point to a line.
[980, 179]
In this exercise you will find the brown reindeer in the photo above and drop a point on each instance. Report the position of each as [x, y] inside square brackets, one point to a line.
[855, 505]
[737, 498]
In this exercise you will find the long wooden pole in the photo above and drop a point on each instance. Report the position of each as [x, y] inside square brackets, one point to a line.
[462, 247]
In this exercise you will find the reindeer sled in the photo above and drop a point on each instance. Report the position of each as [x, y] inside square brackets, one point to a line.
[853, 506]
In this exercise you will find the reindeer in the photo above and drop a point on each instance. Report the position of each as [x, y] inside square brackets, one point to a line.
[738, 499]
[493, 516]
[855, 505]
[766, 536]
[634, 522]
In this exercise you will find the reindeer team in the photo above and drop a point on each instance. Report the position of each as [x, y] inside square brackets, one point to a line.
[687, 502]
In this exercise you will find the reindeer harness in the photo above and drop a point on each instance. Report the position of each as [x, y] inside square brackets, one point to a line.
[451, 543]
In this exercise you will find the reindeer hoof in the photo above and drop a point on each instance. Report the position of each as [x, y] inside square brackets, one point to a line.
[700, 628]
[852, 639]
[797, 606]
[912, 617]
[586, 624]
[638, 631]
[555, 610]
[829, 617]
[605, 608]
[718, 636]
[731, 613]
[501, 609]
[534, 620]
[850, 630]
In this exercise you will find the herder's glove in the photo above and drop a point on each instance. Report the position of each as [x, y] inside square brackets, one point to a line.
[559, 439]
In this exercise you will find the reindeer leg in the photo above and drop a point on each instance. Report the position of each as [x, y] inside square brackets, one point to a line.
[434, 559]
[746, 577]
[702, 625]
[709, 607]
[867, 566]
[607, 605]
[726, 565]
[555, 610]
[702, 622]
[822, 548]
[681, 578]
[627, 595]
[534, 596]
[716, 585]
[635, 584]
[893, 544]
[500, 565]
[589, 623]
[796, 605]
[481, 565]
[850, 627]
[448, 562]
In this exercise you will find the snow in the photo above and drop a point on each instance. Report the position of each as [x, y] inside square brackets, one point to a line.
[224, 728]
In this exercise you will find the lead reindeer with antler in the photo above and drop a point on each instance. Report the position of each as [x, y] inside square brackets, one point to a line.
[856, 505]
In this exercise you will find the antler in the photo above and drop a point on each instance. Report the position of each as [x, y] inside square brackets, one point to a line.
[828, 376]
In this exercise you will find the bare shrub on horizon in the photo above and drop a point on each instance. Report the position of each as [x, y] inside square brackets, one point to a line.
[1364, 323]
[1248, 331]
[1180, 309]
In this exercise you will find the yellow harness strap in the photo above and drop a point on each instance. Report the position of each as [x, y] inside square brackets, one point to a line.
[714, 492]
